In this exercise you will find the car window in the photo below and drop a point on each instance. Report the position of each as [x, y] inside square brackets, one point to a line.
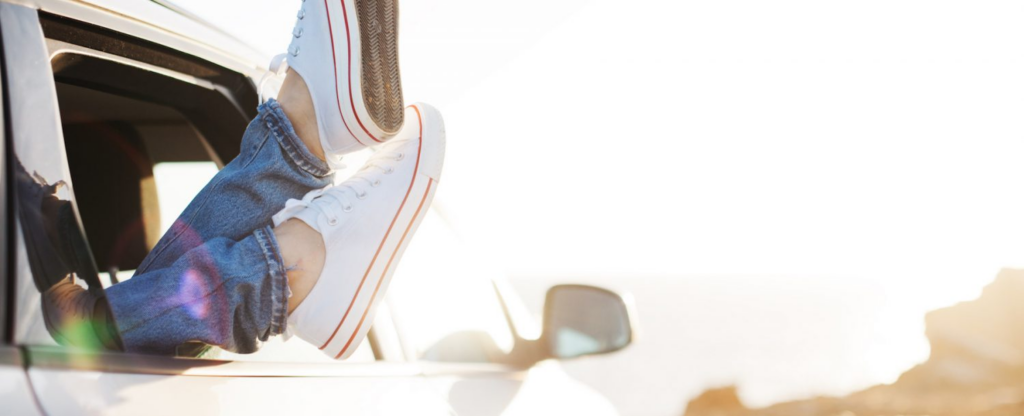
[444, 304]
[137, 145]
[154, 163]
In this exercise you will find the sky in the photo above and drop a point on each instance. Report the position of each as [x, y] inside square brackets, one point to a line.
[875, 142]
[737, 137]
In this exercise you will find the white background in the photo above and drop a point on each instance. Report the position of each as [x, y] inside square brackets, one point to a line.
[814, 168]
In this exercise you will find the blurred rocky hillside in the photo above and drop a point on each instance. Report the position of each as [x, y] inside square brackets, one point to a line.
[976, 367]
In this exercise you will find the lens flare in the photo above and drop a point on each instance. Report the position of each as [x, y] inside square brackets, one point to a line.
[192, 294]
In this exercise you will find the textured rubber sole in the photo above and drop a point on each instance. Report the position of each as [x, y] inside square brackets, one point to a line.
[382, 81]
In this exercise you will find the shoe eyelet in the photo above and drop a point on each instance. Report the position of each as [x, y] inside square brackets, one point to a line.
[401, 156]
[362, 195]
[297, 32]
[333, 221]
[295, 51]
[376, 183]
[389, 171]
[302, 14]
[347, 209]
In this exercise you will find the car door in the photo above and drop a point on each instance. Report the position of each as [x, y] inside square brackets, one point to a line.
[65, 85]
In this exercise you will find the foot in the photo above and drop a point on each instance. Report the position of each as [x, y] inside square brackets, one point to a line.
[347, 53]
[366, 222]
[68, 314]
[303, 252]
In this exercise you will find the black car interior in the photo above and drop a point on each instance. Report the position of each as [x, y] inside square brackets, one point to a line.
[113, 143]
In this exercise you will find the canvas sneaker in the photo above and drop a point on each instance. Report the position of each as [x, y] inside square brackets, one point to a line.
[347, 53]
[366, 223]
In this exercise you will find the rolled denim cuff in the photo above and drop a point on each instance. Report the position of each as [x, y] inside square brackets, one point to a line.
[284, 132]
[279, 290]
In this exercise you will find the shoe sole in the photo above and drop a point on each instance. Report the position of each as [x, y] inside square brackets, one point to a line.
[381, 78]
[358, 317]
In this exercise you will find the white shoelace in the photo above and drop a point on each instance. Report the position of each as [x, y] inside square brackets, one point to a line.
[278, 67]
[343, 197]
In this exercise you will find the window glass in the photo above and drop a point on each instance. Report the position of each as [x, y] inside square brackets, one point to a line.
[444, 304]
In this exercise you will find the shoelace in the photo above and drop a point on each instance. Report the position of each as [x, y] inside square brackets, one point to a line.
[341, 195]
[278, 67]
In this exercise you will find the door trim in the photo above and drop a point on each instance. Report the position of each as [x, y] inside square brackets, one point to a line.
[125, 363]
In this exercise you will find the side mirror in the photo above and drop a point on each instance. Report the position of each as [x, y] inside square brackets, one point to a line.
[584, 320]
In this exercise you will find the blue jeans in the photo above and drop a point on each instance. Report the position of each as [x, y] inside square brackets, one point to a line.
[217, 276]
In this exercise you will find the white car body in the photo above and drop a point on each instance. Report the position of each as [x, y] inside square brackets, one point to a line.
[39, 377]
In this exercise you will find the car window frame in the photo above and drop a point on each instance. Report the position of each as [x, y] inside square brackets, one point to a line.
[6, 279]
[12, 362]
[58, 357]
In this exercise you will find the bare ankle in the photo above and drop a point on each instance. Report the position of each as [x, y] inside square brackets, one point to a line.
[303, 252]
[298, 106]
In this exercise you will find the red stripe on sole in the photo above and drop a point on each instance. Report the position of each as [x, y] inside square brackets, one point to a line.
[334, 56]
[386, 269]
[416, 170]
[351, 99]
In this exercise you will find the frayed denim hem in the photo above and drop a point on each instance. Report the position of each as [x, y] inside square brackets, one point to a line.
[278, 281]
[284, 132]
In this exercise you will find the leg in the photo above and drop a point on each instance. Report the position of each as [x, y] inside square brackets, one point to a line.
[303, 252]
[260, 180]
[232, 293]
[223, 293]
[298, 106]
[274, 165]
[227, 293]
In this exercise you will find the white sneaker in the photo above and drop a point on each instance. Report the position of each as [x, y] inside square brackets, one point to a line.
[366, 223]
[347, 53]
